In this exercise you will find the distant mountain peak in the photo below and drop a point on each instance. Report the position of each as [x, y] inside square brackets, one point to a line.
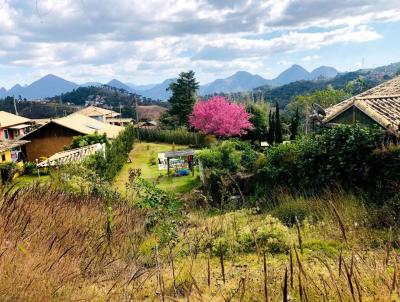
[239, 81]
[120, 85]
[324, 72]
[241, 72]
[297, 66]
[16, 86]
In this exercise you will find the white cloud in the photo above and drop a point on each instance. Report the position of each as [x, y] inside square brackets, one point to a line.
[310, 58]
[89, 39]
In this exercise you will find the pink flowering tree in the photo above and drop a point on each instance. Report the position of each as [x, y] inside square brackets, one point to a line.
[220, 117]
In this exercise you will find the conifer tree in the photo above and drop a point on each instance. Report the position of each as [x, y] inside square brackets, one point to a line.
[183, 96]
[271, 128]
[278, 126]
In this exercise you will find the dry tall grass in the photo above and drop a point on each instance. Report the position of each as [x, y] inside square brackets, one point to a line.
[54, 247]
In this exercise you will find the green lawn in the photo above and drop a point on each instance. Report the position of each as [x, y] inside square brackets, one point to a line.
[26, 180]
[141, 155]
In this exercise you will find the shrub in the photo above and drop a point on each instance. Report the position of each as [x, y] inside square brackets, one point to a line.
[86, 140]
[287, 210]
[30, 168]
[347, 156]
[153, 158]
[226, 170]
[329, 248]
[269, 234]
[7, 171]
[230, 155]
[115, 156]
[180, 137]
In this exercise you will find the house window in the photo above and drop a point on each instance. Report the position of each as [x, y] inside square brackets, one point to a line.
[6, 135]
[3, 157]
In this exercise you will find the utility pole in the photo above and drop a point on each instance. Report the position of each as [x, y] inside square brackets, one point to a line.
[120, 114]
[15, 106]
[137, 119]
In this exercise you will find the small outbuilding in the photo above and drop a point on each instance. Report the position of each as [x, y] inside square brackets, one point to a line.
[187, 155]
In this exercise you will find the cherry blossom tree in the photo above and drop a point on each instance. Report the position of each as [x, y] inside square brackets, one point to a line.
[220, 117]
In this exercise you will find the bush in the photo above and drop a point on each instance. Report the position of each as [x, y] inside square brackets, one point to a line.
[349, 156]
[287, 210]
[269, 234]
[180, 137]
[153, 158]
[30, 168]
[87, 140]
[7, 171]
[230, 155]
[115, 156]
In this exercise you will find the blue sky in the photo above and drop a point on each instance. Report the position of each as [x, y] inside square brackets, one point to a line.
[149, 41]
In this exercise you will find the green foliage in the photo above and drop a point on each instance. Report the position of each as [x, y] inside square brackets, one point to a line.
[30, 168]
[87, 140]
[231, 155]
[329, 248]
[278, 126]
[271, 128]
[289, 209]
[245, 232]
[180, 137]
[7, 171]
[301, 104]
[357, 86]
[183, 96]
[259, 120]
[348, 156]
[274, 134]
[115, 156]
[168, 121]
[153, 158]
[166, 210]
[285, 94]
[223, 167]
[269, 234]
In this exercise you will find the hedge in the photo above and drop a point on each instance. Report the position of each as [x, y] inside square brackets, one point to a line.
[179, 137]
[352, 157]
[115, 156]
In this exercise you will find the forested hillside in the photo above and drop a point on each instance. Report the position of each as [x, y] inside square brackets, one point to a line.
[64, 104]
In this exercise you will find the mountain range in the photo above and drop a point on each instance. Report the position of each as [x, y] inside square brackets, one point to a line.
[51, 85]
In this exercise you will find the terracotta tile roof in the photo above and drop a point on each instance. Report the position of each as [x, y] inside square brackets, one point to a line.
[97, 111]
[7, 145]
[381, 103]
[84, 125]
[8, 119]
[87, 125]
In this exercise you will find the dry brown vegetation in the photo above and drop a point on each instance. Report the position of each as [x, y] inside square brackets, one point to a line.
[152, 112]
[57, 247]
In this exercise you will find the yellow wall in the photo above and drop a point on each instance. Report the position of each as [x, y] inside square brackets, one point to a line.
[8, 156]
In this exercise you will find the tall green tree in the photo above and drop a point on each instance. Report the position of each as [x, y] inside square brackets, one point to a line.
[259, 119]
[183, 96]
[271, 128]
[278, 126]
[294, 125]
